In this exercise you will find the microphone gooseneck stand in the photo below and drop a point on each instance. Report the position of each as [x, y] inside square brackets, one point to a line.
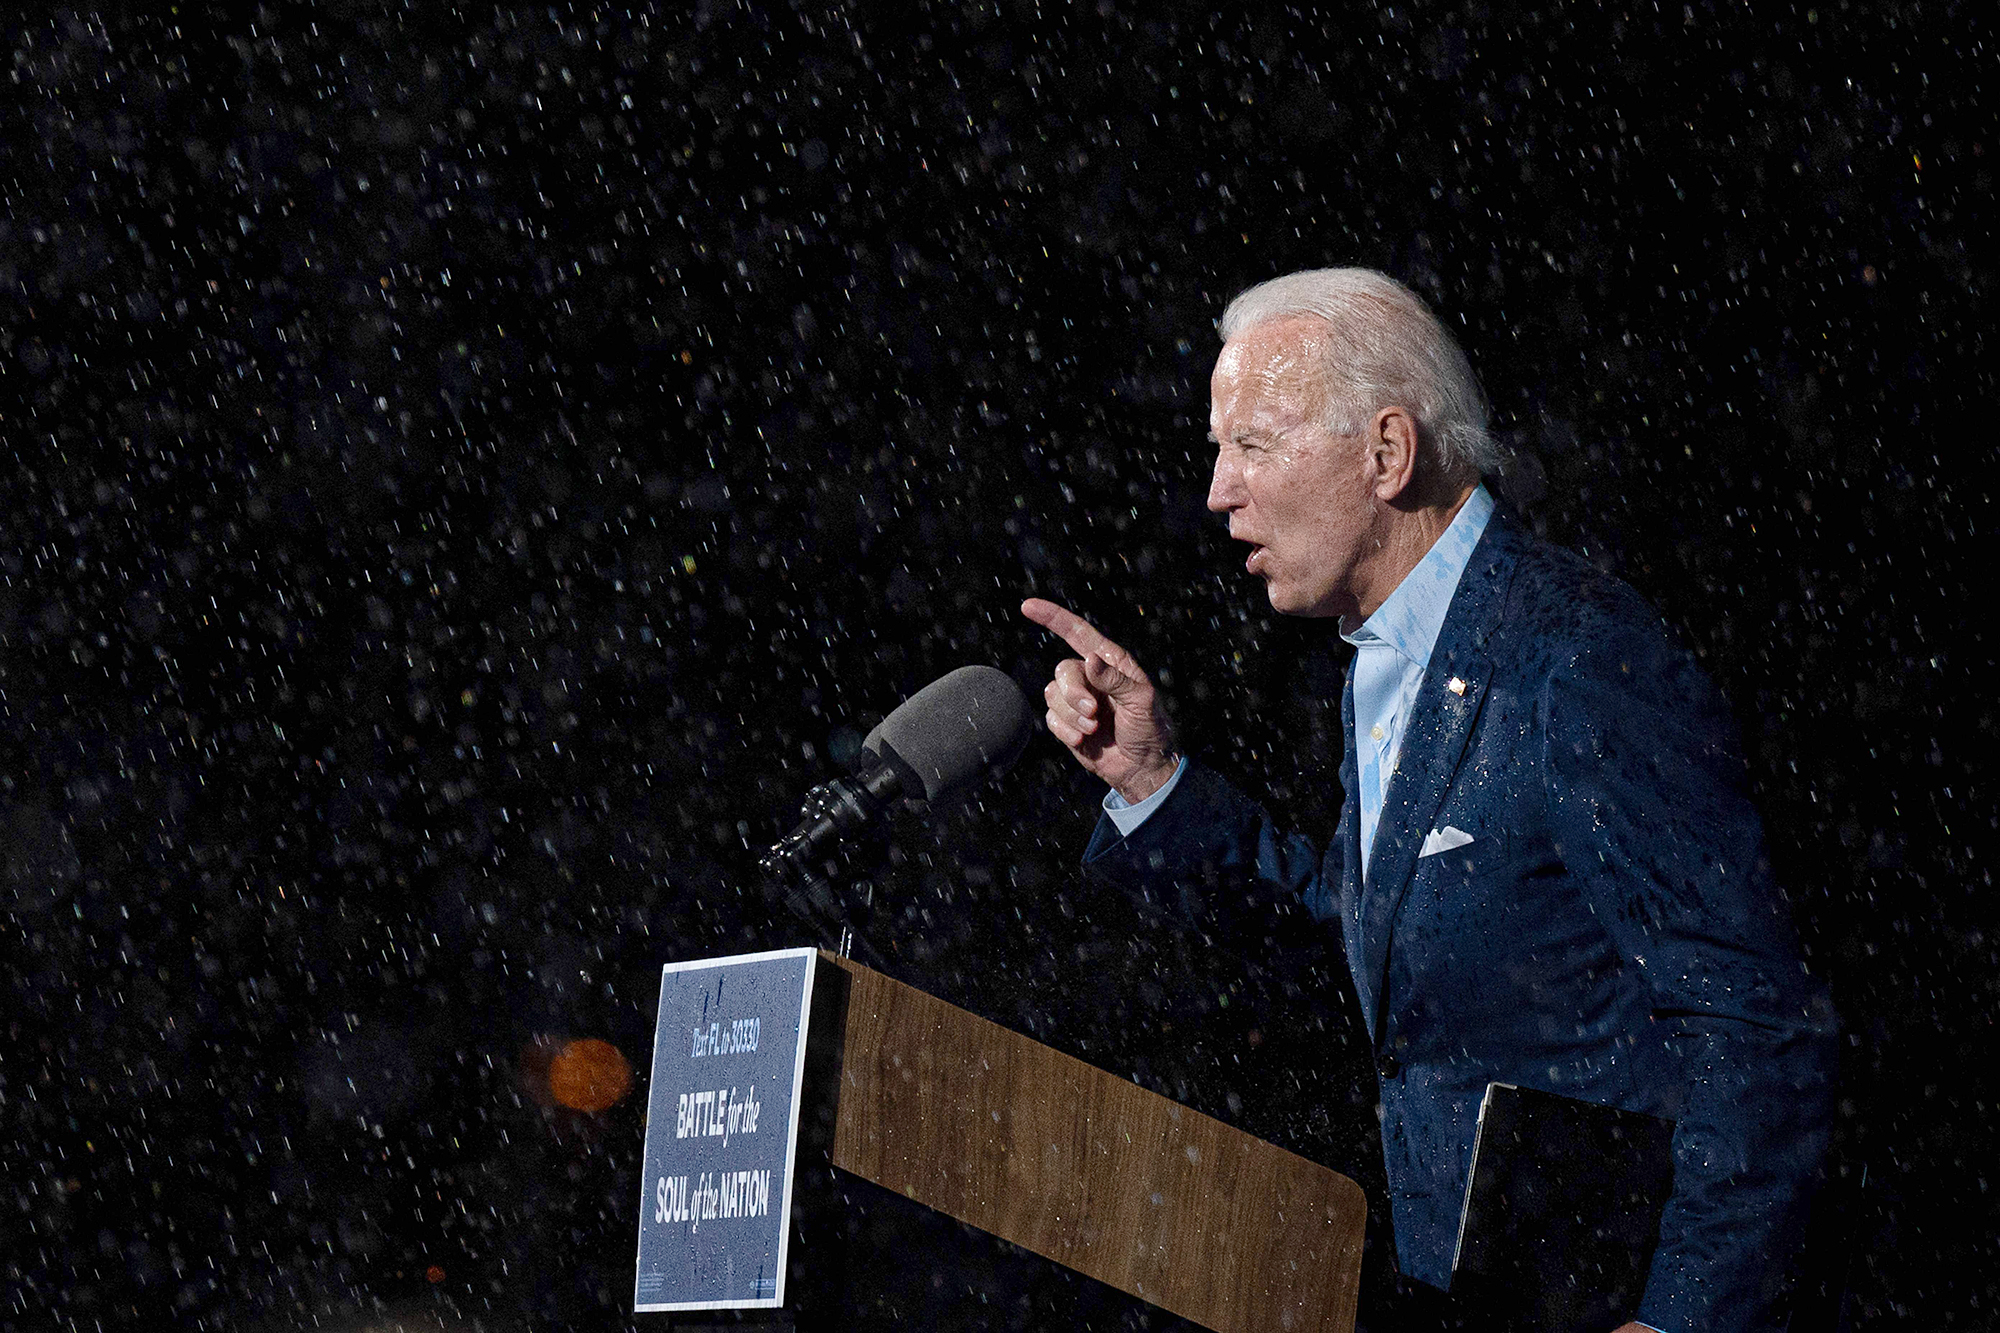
[795, 865]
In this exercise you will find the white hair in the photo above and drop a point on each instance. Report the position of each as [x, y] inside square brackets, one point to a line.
[1392, 352]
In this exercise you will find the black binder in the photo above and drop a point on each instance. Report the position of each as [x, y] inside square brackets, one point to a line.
[1562, 1211]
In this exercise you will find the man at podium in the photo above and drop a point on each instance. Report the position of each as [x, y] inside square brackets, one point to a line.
[1547, 871]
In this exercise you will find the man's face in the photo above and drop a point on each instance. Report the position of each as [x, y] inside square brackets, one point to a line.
[1292, 488]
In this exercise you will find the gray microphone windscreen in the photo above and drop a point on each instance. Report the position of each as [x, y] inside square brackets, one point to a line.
[956, 730]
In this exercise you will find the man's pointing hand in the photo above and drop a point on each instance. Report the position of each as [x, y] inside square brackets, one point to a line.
[1104, 707]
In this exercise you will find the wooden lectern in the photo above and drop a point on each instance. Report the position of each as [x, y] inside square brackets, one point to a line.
[1078, 1165]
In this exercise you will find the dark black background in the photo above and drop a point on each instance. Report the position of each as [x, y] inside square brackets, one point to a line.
[471, 469]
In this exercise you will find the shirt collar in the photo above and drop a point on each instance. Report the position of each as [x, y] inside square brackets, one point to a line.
[1410, 620]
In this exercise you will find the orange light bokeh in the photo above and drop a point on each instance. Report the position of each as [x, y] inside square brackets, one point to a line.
[589, 1075]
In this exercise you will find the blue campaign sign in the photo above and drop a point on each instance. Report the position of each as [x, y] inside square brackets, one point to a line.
[722, 1130]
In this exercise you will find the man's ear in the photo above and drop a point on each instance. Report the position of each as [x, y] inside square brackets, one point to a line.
[1392, 454]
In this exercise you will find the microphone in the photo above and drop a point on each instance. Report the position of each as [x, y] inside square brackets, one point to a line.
[943, 739]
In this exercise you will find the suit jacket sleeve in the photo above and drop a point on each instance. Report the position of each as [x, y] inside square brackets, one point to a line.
[1648, 801]
[1209, 827]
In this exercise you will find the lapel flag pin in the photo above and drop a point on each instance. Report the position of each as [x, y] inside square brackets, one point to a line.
[1455, 685]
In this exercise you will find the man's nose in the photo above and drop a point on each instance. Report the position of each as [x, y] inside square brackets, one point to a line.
[1225, 487]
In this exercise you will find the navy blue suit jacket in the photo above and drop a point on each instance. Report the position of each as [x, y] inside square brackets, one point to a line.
[1611, 933]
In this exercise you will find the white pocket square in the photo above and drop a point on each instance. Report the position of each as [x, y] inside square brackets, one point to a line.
[1443, 840]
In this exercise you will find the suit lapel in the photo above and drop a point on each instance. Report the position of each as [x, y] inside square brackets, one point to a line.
[1441, 722]
[1348, 836]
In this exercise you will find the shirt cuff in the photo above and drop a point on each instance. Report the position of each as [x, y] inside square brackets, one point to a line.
[1128, 817]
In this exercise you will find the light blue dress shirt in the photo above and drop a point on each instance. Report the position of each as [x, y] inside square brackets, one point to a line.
[1392, 649]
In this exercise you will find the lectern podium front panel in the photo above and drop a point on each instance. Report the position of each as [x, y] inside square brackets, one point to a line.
[1083, 1167]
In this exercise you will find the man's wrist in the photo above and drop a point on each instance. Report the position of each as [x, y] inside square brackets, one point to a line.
[1135, 790]
[1128, 816]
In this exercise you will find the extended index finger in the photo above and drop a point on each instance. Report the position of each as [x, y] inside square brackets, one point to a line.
[1071, 628]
